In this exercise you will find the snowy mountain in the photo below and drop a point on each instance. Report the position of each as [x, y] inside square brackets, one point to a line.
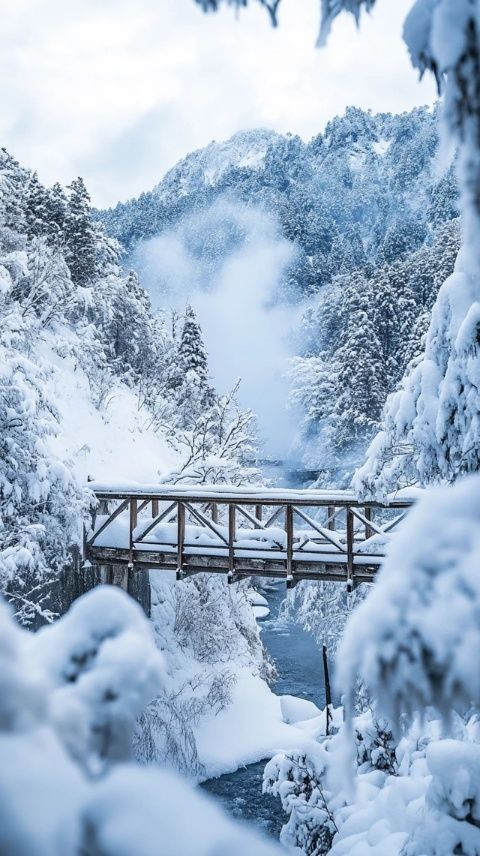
[207, 167]
[366, 227]
[368, 180]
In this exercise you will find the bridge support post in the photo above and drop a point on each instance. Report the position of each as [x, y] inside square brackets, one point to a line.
[368, 516]
[331, 517]
[138, 587]
[180, 538]
[350, 537]
[289, 529]
[231, 542]
[135, 581]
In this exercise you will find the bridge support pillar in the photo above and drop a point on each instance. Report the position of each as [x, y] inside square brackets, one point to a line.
[135, 581]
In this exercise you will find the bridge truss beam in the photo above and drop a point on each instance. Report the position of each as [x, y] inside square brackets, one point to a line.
[292, 535]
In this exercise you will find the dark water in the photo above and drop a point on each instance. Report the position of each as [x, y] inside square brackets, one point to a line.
[299, 666]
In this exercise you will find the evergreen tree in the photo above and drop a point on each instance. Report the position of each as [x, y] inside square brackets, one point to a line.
[191, 353]
[36, 209]
[56, 213]
[13, 180]
[80, 236]
[194, 393]
[360, 386]
[131, 329]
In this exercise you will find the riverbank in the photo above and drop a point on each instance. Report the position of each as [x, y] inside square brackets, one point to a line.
[254, 727]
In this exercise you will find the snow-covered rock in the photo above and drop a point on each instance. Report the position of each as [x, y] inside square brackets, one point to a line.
[261, 612]
[296, 709]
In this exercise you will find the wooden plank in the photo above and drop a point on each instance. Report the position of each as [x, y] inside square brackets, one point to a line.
[368, 525]
[158, 519]
[259, 512]
[154, 508]
[255, 520]
[393, 523]
[273, 516]
[133, 513]
[133, 525]
[303, 570]
[325, 533]
[331, 517]
[122, 507]
[320, 499]
[367, 521]
[205, 521]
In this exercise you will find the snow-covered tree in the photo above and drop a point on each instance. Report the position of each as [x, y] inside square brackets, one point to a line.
[56, 207]
[80, 239]
[216, 444]
[41, 506]
[192, 356]
[70, 696]
[36, 211]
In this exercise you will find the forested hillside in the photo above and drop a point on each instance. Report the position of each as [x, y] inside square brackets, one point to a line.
[93, 383]
[373, 224]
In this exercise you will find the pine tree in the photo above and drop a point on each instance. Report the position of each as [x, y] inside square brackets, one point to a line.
[191, 353]
[13, 179]
[80, 237]
[360, 387]
[56, 211]
[36, 208]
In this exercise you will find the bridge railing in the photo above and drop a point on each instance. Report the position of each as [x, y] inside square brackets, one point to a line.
[243, 531]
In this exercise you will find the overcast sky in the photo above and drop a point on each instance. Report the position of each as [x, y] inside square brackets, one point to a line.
[119, 90]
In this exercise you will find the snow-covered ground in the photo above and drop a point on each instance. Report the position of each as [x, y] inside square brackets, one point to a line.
[111, 441]
[255, 727]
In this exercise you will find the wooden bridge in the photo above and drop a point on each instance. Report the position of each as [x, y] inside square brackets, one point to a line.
[241, 531]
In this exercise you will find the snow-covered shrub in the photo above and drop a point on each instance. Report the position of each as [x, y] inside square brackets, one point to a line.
[411, 640]
[102, 675]
[208, 633]
[375, 743]
[451, 819]
[215, 621]
[300, 782]
[215, 442]
[69, 698]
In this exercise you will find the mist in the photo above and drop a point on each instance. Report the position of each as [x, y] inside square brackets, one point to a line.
[229, 262]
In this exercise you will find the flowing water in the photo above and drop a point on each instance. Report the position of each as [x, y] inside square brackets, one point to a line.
[300, 673]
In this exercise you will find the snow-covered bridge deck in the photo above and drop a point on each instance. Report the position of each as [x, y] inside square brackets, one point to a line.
[242, 531]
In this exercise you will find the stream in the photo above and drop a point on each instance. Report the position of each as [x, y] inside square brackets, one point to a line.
[300, 673]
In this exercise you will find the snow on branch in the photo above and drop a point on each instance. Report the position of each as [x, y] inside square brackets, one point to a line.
[413, 641]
